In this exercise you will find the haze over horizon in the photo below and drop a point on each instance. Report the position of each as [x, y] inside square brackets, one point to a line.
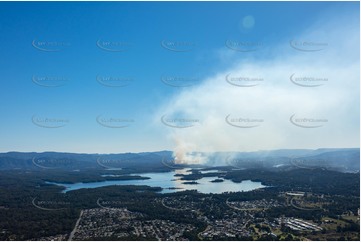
[154, 151]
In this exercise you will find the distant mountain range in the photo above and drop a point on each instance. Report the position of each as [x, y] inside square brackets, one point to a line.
[56, 160]
[339, 159]
[343, 159]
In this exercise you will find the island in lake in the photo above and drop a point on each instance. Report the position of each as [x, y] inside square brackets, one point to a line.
[190, 183]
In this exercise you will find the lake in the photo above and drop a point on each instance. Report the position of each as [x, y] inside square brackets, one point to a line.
[167, 180]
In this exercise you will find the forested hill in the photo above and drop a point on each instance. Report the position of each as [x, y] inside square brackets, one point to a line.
[344, 160]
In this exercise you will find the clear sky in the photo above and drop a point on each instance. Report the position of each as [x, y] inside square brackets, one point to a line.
[98, 77]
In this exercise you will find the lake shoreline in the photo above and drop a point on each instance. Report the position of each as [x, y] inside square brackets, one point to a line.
[166, 180]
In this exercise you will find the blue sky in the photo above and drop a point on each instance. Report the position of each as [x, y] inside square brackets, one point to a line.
[76, 27]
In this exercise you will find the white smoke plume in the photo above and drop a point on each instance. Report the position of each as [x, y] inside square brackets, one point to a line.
[275, 99]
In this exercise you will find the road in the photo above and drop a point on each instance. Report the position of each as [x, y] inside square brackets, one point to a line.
[75, 227]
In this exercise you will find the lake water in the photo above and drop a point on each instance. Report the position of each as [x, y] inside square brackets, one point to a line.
[167, 180]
